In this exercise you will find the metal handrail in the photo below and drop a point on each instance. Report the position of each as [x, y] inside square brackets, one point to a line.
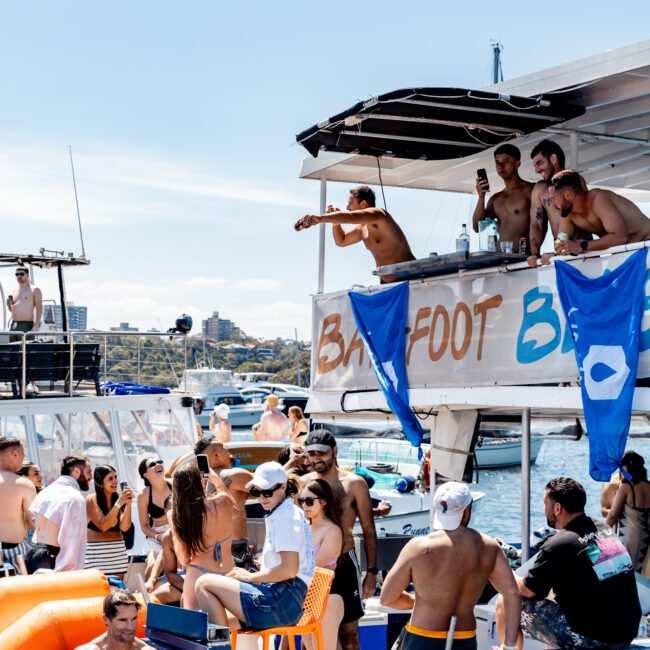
[78, 334]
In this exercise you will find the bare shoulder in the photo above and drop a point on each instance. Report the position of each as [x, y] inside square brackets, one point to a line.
[305, 478]
[353, 482]
[539, 189]
[26, 484]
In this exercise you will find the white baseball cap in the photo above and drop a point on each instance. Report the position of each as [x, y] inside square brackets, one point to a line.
[222, 410]
[450, 502]
[268, 475]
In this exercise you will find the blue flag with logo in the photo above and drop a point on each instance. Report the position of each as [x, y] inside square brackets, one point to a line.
[604, 315]
[381, 320]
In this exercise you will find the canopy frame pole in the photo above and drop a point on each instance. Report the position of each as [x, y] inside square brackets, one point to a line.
[525, 484]
[573, 146]
[321, 234]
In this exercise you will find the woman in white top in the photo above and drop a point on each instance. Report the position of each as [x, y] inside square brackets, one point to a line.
[275, 595]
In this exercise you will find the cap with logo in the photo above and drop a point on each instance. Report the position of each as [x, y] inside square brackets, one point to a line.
[449, 502]
[319, 440]
[267, 475]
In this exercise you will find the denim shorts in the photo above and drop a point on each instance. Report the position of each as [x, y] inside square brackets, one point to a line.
[272, 604]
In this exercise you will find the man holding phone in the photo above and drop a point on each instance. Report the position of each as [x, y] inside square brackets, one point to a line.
[25, 305]
[511, 206]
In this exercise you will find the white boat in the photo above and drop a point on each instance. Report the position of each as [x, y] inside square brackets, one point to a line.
[217, 386]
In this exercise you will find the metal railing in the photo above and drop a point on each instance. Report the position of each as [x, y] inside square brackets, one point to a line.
[103, 338]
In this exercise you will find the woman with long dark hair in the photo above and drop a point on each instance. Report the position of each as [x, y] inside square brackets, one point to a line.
[631, 509]
[202, 529]
[299, 426]
[109, 515]
[274, 596]
[318, 504]
[33, 472]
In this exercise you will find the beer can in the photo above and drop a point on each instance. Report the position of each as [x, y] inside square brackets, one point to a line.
[492, 243]
[522, 245]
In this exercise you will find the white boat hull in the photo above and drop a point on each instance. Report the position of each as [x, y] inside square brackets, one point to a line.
[507, 453]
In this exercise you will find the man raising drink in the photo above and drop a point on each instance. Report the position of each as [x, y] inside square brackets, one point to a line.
[373, 226]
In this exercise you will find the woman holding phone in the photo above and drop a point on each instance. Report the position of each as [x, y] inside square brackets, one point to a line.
[273, 596]
[109, 515]
[201, 528]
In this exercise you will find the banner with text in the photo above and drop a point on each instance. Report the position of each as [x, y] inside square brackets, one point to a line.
[467, 330]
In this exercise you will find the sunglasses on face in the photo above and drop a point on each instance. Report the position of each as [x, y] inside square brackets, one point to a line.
[153, 463]
[18, 275]
[307, 501]
[267, 494]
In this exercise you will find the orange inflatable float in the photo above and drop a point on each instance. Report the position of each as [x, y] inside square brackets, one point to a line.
[60, 625]
[20, 594]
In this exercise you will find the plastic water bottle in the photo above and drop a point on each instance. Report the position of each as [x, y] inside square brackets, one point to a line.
[462, 242]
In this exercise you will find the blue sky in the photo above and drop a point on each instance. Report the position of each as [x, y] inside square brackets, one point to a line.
[182, 119]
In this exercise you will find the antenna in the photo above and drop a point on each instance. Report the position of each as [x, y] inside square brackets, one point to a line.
[76, 198]
[497, 70]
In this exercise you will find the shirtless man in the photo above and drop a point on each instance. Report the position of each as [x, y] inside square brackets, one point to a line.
[170, 590]
[548, 160]
[449, 569]
[373, 226]
[613, 218]
[353, 498]
[234, 480]
[26, 306]
[273, 425]
[511, 206]
[219, 424]
[121, 620]
[16, 495]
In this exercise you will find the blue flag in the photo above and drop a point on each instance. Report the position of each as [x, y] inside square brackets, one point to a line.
[604, 315]
[381, 320]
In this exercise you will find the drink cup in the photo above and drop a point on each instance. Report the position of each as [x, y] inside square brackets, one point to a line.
[506, 246]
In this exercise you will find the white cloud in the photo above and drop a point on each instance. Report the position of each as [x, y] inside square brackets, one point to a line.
[258, 284]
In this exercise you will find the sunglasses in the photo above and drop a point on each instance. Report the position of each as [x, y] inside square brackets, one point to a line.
[153, 463]
[307, 501]
[267, 494]
[18, 275]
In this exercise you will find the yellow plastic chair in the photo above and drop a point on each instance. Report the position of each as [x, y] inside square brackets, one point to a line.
[312, 615]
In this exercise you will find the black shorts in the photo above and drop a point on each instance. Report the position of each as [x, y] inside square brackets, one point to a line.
[347, 584]
[242, 555]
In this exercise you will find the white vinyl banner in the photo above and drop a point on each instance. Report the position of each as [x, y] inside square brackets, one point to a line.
[473, 329]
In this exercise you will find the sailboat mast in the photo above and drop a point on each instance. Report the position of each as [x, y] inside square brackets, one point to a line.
[497, 71]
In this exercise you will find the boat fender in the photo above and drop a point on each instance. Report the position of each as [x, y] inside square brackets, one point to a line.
[405, 484]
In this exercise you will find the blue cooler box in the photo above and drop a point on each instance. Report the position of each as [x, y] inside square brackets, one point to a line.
[373, 631]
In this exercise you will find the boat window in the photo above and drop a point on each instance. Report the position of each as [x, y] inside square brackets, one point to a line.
[13, 426]
[156, 433]
[231, 400]
[61, 435]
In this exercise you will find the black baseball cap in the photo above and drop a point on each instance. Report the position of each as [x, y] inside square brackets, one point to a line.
[319, 440]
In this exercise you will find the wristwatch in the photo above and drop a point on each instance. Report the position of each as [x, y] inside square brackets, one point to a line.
[372, 569]
[583, 245]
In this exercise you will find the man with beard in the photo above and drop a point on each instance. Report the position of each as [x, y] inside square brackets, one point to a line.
[548, 160]
[60, 518]
[511, 206]
[591, 574]
[121, 620]
[613, 218]
[353, 499]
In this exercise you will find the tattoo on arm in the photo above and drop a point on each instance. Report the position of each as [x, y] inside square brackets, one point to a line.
[539, 214]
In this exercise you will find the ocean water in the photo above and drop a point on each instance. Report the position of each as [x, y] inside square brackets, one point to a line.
[499, 512]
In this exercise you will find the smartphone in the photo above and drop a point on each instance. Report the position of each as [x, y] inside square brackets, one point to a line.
[482, 174]
[202, 463]
[123, 486]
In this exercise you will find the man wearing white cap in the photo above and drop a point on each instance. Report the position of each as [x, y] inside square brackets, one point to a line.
[449, 569]
[273, 425]
[222, 429]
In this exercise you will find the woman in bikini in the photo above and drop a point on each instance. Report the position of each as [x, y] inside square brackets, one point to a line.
[299, 426]
[152, 509]
[318, 504]
[109, 516]
[201, 528]
[631, 509]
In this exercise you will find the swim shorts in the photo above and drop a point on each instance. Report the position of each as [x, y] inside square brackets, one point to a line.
[543, 620]
[347, 584]
[417, 638]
